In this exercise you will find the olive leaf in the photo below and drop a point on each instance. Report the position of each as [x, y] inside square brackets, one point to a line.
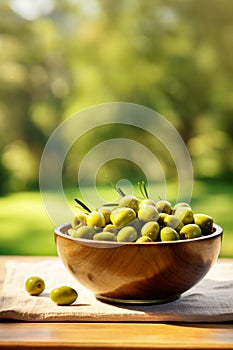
[119, 190]
[110, 204]
[82, 205]
[143, 189]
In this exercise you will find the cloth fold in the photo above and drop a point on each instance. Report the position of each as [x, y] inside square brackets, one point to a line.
[211, 300]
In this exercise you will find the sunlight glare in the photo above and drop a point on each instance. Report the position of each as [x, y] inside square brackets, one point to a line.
[31, 10]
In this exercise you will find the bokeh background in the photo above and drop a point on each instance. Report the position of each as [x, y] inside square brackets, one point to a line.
[60, 57]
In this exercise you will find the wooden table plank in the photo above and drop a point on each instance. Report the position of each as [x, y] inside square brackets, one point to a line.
[71, 335]
[116, 335]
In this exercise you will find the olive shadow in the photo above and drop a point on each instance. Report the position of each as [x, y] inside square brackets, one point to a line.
[44, 295]
[47, 295]
[76, 304]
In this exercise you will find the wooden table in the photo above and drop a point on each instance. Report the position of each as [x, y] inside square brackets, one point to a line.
[74, 335]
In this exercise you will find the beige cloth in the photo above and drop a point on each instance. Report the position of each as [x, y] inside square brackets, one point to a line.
[211, 300]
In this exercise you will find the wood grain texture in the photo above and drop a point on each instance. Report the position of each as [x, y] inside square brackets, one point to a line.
[115, 335]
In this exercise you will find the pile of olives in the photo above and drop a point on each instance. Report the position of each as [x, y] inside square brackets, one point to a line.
[135, 220]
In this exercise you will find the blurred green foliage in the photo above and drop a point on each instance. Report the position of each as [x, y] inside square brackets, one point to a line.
[27, 230]
[172, 56]
[59, 57]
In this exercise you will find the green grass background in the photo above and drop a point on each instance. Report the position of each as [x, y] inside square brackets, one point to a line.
[27, 230]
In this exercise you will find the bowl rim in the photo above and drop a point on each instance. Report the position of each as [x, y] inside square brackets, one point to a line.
[218, 232]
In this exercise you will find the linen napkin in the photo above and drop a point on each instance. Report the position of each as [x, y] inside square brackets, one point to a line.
[211, 300]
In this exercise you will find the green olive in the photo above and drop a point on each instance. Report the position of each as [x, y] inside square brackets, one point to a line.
[106, 211]
[79, 219]
[96, 218]
[129, 201]
[164, 206]
[122, 216]
[174, 222]
[71, 231]
[190, 231]
[34, 285]
[147, 202]
[127, 234]
[111, 228]
[169, 234]
[63, 295]
[205, 222]
[86, 232]
[144, 239]
[185, 215]
[150, 229]
[181, 205]
[148, 213]
[105, 236]
[161, 219]
[136, 224]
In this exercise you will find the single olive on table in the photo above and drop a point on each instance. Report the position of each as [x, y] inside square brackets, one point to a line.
[34, 285]
[63, 295]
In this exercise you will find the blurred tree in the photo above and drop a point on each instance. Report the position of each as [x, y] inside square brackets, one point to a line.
[34, 80]
[173, 56]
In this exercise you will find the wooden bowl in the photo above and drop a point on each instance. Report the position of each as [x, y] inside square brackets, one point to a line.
[139, 273]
